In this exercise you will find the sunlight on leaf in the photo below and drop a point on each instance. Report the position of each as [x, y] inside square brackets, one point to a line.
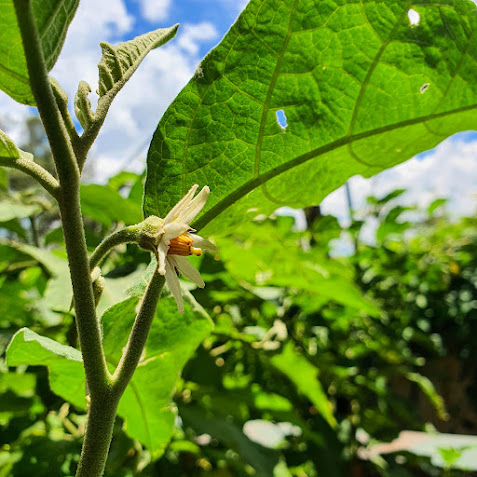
[349, 79]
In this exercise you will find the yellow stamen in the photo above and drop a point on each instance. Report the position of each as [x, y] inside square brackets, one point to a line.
[183, 245]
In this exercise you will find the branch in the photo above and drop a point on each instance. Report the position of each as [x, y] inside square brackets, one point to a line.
[34, 170]
[125, 235]
[137, 339]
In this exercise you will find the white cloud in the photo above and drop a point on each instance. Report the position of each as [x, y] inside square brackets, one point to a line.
[193, 34]
[449, 171]
[155, 10]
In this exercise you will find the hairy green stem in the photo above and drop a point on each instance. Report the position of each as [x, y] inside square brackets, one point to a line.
[34, 170]
[125, 235]
[137, 339]
[98, 435]
[97, 374]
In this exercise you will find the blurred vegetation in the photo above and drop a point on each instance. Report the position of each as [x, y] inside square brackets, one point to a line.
[313, 357]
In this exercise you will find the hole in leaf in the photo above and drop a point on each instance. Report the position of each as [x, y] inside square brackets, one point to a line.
[281, 118]
[423, 88]
[414, 17]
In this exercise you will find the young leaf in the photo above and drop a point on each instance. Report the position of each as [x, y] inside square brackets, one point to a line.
[117, 65]
[52, 19]
[349, 78]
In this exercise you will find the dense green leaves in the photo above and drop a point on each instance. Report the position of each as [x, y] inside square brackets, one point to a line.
[52, 19]
[270, 255]
[361, 88]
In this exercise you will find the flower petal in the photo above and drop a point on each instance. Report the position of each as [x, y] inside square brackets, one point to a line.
[187, 269]
[188, 214]
[174, 285]
[162, 249]
[182, 204]
[204, 244]
[173, 230]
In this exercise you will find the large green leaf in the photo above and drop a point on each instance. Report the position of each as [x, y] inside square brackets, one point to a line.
[146, 405]
[52, 19]
[361, 89]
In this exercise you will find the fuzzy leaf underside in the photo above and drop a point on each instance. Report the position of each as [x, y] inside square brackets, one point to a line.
[118, 63]
[52, 19]
[361, 88]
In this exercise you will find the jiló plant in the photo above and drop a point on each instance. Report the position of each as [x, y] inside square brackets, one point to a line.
[362, 89]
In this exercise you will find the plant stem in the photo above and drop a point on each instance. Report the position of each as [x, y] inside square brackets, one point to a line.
[34, 170]
[34, 232]
[98, 435]
[97, 374]
[125, 235]
[105, 390]
[137, 339]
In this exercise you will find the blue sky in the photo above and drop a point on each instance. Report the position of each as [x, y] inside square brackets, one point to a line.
[450, 170]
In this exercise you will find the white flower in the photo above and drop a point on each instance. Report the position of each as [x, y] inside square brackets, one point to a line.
[177, 242]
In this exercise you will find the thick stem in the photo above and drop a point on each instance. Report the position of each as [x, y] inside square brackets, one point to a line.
[137, 339]
[88, 327]
[98, 435]
[97, 375]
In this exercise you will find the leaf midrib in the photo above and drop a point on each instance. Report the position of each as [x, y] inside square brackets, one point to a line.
[343, 141]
